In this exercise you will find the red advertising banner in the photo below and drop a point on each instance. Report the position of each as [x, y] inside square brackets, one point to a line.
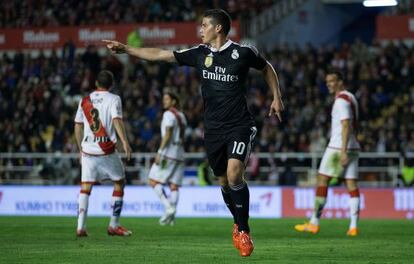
[375, 203]
[395, 27]
[151, 34]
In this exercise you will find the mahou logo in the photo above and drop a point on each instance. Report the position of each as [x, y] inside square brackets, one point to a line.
[35, 37]
[157, 33]
[96, 34]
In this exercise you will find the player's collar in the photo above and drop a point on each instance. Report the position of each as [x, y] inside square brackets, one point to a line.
[339, 94]
[100, 90]
[225, 46]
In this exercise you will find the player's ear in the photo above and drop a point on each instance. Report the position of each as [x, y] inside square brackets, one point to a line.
[96, 84]
[218, 28]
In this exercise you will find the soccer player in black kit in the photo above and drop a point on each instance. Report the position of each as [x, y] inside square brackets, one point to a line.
[222, 66]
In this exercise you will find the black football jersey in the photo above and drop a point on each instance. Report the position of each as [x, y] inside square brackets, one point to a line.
[223, 75]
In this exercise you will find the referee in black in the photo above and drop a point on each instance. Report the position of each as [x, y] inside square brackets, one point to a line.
[222, 66]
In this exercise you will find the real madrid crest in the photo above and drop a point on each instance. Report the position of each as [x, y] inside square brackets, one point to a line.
[209, 60]
[235, 54]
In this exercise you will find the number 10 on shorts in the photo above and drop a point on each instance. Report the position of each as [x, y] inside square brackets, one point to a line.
[238, 148]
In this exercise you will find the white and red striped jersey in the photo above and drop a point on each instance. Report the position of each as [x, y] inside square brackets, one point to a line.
[175, 119]
[344, 107]
[106, 107]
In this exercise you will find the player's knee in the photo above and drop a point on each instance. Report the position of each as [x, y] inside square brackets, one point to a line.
[323, 180]
[152, 183]
[351, 185]
[86, 187]
[119, 185]
[235, 167]
[173, 187]
[234, 175]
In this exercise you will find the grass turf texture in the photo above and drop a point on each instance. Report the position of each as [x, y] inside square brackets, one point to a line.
[52, 240]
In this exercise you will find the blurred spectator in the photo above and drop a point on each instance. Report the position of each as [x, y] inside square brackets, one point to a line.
[287, 177]
[407, 173]
[26, 13]
[38, 97]
[404, 7]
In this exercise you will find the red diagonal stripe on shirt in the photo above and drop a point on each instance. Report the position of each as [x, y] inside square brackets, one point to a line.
[87, 106]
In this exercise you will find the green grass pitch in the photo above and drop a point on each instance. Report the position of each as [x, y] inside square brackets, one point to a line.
[52, 240]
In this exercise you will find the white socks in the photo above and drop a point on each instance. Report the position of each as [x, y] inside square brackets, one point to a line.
[158, 189]
[174, 198]
[82, 210]
[317, 211]
[320, 201]
[116, 205]
[354, 211]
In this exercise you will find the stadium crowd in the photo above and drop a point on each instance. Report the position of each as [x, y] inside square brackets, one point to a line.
[404, 7]
[50, 13]
[38, 98]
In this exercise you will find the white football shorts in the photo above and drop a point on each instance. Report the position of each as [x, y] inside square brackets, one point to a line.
[331, 164]
[97, 168]
[168, 171]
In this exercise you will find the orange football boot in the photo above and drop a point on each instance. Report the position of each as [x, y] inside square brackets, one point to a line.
[353, 232]
[236, 236]
[119, 231]
[307, 227]
[245, 244]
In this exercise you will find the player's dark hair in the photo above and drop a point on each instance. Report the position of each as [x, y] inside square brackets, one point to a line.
[337, 73]
[219, 17]
[173, 96]
[105, 79]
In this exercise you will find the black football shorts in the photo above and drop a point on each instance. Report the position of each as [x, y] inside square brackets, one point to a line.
[236, 144]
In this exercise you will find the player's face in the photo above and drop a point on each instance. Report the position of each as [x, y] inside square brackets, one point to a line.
[333, 83]
[167, 101]
[207, 31]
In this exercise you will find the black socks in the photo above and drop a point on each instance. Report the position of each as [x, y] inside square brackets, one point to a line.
[226, 192]
[241, 199]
